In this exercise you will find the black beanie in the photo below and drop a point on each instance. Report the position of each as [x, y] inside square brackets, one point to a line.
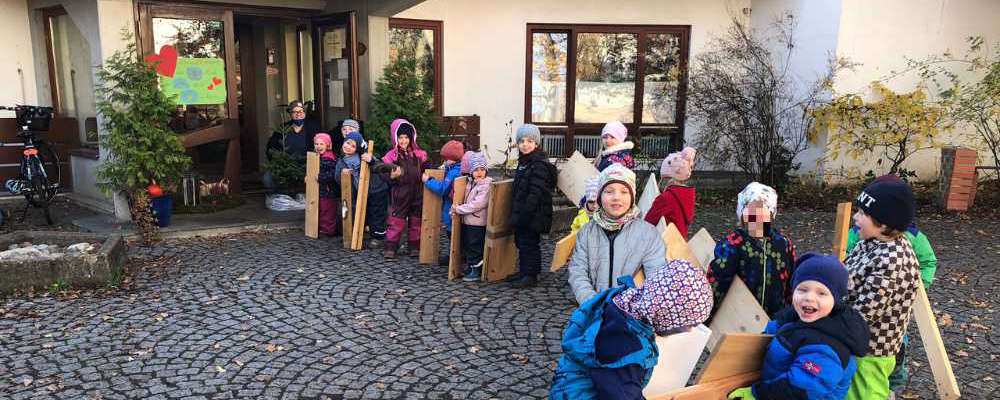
[890, 204]
[405, 129]
[822, 268]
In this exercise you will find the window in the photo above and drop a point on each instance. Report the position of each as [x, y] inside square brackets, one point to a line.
[421, 40]
[579, 77]
[70, 81]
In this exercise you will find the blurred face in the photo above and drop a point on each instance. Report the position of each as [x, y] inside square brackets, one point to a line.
[526, 146]
[616, 199]
[479, 173]
[346, 129]
[812, 301]
[868, 229]
[403, 141]
[320, 146]
[610, 141]
[298, 113]
[592, 206]
[348, 148]
[754, 216]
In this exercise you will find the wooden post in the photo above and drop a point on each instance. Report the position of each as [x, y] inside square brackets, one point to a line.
[358, 234]
[735, 354]
[347, 206]
[563, 251]
[312, 195]
[455, 252]
[430, 221]
[841, 229]
[739, 313]
[937, 355]
[715, 390]
[499, 253]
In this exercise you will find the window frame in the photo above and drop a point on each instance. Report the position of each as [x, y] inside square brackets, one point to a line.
[47, 15]
[438, 28]
[570, 128]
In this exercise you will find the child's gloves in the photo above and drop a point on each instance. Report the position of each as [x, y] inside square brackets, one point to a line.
[745, 393]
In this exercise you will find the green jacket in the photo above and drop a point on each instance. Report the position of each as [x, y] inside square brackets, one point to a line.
[921, 247]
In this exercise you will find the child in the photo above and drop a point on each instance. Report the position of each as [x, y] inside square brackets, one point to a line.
[676, 203]
[378, 191]
[348, 126]
[473, 212]
[407, 190]
[609, 348]
[531, 208]
[884, 273]
[816, 339]
[616, 149]
[327, 171]
[452, 153]
[757, 253]
[616, 242]
[928, 267]
[588, 204]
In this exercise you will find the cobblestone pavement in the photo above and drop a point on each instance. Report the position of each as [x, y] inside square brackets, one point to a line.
[278, 316]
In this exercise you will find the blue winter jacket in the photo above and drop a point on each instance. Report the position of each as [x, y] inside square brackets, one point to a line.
[813, 360]
[582, 374]
[443, 188]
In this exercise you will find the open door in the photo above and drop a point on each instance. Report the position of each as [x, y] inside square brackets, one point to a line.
[335, 62]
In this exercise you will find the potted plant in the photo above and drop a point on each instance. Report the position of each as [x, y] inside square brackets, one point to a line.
[142, 148]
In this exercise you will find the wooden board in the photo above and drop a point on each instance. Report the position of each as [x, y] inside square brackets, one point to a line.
[312, 195]
[739, 313]
[679, 354]
[735, 354]
[937, 355]
[573, 175]
[347, 206]
[841, 228]
[649, 194]
[455, 251]
[430, 221]
[677, 247]
[364, 179]
[715, 390]
[703, 247]
[499, 255]
[563, 251]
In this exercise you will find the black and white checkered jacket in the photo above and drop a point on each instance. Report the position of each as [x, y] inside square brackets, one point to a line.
[882, 286]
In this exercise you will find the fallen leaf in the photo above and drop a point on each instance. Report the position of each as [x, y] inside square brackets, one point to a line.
[474, 350]
[220, 369]
[961, 353]
[243, 278]
[455, 300]
[28, 381]
[238, 363]
[300, 270]
[944, 321]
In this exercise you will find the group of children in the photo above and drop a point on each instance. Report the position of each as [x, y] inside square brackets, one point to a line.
[839, 327]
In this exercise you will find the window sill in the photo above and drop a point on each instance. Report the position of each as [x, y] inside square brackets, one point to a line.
[86, 152]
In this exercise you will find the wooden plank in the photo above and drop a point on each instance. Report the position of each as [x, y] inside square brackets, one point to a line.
[499, 253]
[716, 390]
[735, 354]
[312, 195]
[677, 247]
[573, 175]
[430, 221]
[841, 229]
[739, 313]
[563, 251]
[679, 354]
[649, 194]
[703, 247]
[347, 206]
[358, 234]
[455, 252]
[937, 355]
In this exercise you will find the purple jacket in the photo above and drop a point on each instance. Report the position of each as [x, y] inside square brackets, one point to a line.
[407, 190]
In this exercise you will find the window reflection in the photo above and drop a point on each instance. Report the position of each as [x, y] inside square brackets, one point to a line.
[548, 77]
[605, 77]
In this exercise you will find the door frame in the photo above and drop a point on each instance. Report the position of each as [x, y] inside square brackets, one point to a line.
[348, 18]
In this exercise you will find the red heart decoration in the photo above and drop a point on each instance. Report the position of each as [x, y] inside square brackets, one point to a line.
[210, 87]
[165, 61]
[216, 80]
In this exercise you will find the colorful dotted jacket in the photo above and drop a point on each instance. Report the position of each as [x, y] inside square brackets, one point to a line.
[765, 265]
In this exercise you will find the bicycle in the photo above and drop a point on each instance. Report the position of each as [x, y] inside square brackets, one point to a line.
[40, 175]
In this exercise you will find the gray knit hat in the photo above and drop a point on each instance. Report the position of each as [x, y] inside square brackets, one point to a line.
[351, 122]
[530, 132]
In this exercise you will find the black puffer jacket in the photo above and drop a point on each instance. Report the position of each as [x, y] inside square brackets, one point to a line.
[532, 198]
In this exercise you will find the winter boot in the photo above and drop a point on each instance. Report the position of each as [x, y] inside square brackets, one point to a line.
[390, 250]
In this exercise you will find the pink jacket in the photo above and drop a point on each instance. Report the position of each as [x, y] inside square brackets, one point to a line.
[473, 210]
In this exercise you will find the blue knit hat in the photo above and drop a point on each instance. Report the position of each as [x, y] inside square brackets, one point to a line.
[359, 141]
[822, 268]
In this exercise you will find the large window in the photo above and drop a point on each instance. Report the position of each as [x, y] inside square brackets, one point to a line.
[421, 40]
[581, 76]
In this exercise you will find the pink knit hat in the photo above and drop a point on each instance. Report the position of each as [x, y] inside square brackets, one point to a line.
[452, 151]
[678, 166]
[616, 130]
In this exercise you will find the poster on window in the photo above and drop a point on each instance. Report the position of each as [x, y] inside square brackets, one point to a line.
[197, 81]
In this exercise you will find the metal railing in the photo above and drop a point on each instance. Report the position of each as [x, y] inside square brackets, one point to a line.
[590, 145]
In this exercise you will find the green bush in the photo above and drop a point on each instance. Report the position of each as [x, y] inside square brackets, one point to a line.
[289, 174]
[400, 94]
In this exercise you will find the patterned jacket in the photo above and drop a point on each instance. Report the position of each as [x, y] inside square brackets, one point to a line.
[882, 286]
[766, 265]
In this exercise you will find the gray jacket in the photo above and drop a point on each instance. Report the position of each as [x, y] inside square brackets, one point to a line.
[592, 270]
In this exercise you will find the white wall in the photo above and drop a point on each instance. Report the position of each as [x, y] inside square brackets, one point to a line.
[484, 45]
[17, 65]
[879, 34]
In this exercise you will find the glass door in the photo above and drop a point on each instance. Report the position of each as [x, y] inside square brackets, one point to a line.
[335, 62]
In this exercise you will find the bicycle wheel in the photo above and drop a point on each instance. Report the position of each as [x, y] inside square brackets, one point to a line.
[45, 177]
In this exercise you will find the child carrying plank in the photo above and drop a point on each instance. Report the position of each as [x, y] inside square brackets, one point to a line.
[473, 214]
[378, 191]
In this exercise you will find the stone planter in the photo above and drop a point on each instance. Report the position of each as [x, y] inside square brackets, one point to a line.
[84, 270]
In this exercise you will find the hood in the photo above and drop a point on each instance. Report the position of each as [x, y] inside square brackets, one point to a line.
[536, 155]
[394, 127]
[843, 324]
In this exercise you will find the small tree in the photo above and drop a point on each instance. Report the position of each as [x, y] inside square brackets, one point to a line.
[749, 110]
[401, 94]
[892, 128]
[136, 116]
